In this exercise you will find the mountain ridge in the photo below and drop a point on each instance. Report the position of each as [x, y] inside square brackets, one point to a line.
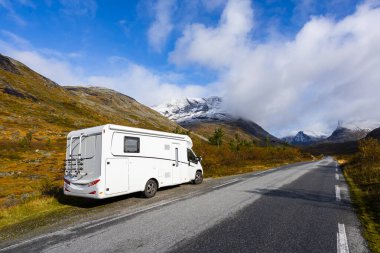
[205, 114]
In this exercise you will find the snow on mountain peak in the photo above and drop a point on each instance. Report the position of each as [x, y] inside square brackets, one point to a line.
[190, 109]
[359, 124]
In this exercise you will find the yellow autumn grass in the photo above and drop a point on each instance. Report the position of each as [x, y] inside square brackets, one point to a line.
[34, 208]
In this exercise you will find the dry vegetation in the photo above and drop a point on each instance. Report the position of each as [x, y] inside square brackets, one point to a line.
[236, 155]
[363, 173]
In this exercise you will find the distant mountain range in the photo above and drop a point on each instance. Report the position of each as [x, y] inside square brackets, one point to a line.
[203, 115]
[339, 135]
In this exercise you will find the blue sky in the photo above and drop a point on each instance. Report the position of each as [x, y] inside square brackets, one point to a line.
[268, 58]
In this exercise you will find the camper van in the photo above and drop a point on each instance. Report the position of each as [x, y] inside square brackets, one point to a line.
[111, 160]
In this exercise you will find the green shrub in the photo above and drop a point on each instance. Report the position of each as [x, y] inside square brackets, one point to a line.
[217, 138]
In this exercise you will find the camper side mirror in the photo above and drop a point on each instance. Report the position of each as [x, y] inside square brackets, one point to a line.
[199, 158]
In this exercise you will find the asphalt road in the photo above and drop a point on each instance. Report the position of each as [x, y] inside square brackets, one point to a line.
[300, 208]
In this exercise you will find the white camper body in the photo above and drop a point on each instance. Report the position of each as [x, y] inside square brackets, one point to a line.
[112, 160]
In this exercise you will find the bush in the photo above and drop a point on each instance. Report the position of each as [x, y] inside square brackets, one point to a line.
[49, 189]
[217, 137]
[369, 150]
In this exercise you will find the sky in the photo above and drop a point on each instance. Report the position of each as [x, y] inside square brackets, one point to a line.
[287, 65]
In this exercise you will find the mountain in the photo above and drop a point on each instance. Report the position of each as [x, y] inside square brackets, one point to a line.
[204, 115]
[35, 116]
[120, 106]
[194, 109]
[303, 139]
[343, 134]
[374, 134]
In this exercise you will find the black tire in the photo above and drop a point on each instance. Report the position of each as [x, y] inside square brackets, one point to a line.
[150, 188]
[198, 177]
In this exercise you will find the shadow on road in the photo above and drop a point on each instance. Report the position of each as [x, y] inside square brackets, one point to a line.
[316, 198]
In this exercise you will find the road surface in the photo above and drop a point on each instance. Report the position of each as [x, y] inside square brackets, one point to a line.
[297, 208]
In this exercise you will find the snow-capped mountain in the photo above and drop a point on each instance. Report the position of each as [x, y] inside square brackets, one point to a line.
[192, 109]
[209, 112]
[368, 125]
[302, 138]
[352, 130]
[343, 134]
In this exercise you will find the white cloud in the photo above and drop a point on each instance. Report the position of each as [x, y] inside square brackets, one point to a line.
[49, 63]
[328, 72]
[162, 26]
[145, 86]
[215, 47]
[134, 80]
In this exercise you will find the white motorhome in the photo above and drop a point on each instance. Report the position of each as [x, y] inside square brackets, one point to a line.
[112, 160]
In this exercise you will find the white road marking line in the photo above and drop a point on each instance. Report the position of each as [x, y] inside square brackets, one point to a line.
[226, 183]
[337, 192]
[341, 238]
[336, 176]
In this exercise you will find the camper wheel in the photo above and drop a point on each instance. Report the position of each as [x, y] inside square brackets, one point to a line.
[150, 188]
[198, 177]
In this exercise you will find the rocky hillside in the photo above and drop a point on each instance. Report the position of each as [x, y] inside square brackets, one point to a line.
[204, 115]
[342, 134]
[35, 116]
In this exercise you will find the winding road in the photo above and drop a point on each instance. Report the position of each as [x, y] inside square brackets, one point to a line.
[296, 208]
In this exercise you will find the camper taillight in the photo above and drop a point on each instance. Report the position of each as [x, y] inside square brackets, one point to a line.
[93, 182]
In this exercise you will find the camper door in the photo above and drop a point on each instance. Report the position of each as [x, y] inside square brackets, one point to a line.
[117, 175]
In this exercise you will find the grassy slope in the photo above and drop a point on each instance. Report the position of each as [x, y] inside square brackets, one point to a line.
[48, 112]
[31, 105]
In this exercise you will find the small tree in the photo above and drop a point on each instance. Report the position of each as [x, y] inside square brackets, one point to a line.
[216, 138]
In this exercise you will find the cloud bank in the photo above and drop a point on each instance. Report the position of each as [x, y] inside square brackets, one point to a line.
[328, 71]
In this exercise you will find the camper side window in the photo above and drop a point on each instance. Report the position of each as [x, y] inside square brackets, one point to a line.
[131, 144]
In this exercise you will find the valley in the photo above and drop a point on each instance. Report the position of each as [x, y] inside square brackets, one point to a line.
[37, 114]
